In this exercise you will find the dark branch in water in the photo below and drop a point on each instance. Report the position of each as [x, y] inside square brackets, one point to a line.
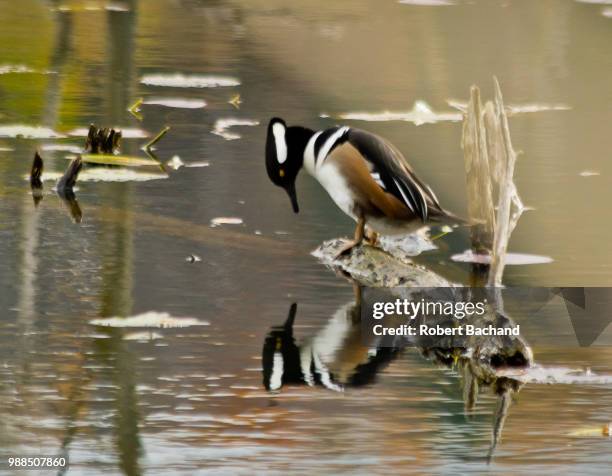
[68, 180]
[65, 189]
[35, 178]
[102, 141]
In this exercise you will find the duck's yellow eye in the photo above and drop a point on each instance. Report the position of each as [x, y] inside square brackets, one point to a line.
[281, 172]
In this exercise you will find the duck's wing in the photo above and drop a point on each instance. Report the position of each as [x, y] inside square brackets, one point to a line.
[391, 171]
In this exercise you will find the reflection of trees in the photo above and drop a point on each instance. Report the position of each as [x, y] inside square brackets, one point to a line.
[115, 242]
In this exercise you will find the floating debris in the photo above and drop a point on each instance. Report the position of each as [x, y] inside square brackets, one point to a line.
[427, 3]
[21, 69]
[420, 114]
[226, 221]
[468, 256]
[134, 109]
[122, 160]
[175, 162]
[126, 133]
[150, 319]
[222, 125]
[193, 259]
[236, 101]
[192, 81]
[588, 173]
[178, 103]
[19, 131]
[148, 146]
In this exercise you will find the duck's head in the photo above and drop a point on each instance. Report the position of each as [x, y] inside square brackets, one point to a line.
[285, 155]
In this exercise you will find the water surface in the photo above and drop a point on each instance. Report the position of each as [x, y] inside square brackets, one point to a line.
[191, 399]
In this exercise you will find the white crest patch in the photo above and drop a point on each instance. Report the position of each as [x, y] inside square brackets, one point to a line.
[281, 143]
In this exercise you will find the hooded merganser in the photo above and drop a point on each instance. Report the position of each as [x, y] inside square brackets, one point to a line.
[365, 175]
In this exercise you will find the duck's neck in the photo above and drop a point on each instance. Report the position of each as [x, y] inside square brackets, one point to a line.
[297, 139]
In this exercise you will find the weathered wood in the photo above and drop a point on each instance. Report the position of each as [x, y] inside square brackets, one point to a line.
[102, 141]
[478, 177]
[510, 206]
[494, 205]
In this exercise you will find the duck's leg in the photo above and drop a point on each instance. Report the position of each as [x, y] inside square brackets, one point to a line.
[359, 234]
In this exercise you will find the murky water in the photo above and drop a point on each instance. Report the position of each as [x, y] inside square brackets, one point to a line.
[187, 399]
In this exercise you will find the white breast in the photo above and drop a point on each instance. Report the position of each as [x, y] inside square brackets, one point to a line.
[328, 175]
[335, 184]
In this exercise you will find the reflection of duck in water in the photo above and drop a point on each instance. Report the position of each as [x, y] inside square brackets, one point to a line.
[334, 358]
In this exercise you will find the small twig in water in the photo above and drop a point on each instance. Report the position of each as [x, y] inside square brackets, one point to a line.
[156, 139]
[134, 109]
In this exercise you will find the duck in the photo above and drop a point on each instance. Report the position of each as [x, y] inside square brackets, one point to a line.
[365, 175]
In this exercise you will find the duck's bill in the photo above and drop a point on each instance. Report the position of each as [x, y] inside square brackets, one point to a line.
[292, 195]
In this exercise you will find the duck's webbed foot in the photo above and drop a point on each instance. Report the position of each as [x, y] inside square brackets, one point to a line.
[359, 234]
[371, 237]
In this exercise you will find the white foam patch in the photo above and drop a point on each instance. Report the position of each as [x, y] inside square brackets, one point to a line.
[105, 174]
[143, 336]
[150, 319]
[556, 375]
[589, 173]
[280, 141]
[427, 3]
[178, 103]
[175, 162]
[188, 81]
[226, 221]
[512, 109]
[420, 114]
[21, 69]
[468, 256]
[596, 2]
[28, 132]
[126, 133]
[75, 149]
[117, 7]
[222, 126]
[607, 12]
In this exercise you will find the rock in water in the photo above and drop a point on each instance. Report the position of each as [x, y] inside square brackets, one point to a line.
[374, 267]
